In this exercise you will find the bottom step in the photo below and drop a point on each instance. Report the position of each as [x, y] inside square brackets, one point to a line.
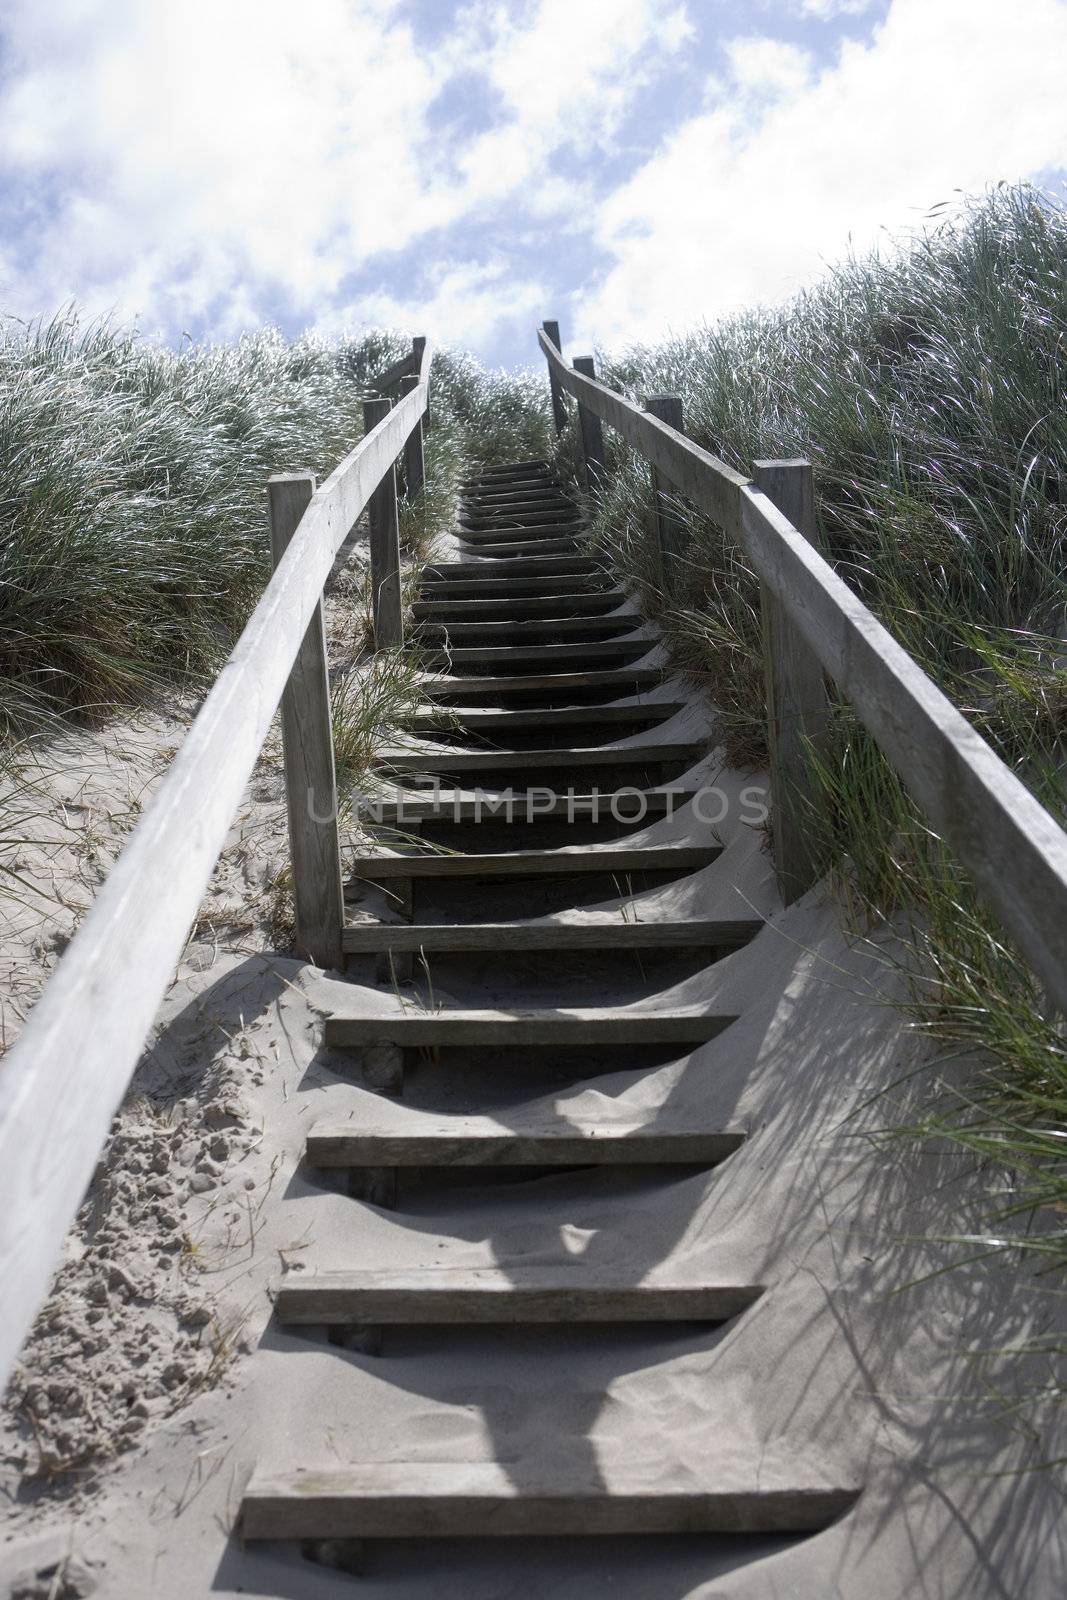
[463, 1499]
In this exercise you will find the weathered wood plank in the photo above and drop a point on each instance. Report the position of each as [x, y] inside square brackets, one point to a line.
[528, 547]
[441, 758]
[478, 719]
[586, 1025]
[414, 454]
[400, 369]
[797, 704]
[470, 1141]
[518, 606]
[698, 934]
[472, 1499]
[565, 860]
[457, 805]
[63, 1079]
[632, 645]
[591, 431]
[564, 514]
[519, 1295]
[621, 679]
[567, 586]
[532, 629]
[307, 744]
[668, 409]
[559, 410]
[487, 567]
[386, 600]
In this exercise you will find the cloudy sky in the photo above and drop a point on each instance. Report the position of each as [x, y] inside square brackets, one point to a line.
[465, 167]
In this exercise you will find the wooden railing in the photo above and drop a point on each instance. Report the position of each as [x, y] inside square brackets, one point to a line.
[63, 1080]
[1013, 849]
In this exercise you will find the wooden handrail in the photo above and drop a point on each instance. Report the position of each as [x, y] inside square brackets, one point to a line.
[64, 1078]
[415, 364]
[1011, 846]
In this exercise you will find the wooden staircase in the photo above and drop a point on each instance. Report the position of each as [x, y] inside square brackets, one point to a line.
[540, 683]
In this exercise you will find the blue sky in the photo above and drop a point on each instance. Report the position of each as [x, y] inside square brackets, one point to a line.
[465, 169]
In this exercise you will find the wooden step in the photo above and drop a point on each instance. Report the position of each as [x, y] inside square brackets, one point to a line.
[547, 628]
[532, 548]
[372, 938]
[473, 1141]
[519, 522]
[536, 498]
[473, 1499]
[535, 654]
[454, 805]
[566, 585]
[479, 720]
[610, 679]
[441, 758]
[508, 469]
[581, 1025]
[525, 568]
[512, 533]
[516, 607]
[563, 861]
[491, 1296]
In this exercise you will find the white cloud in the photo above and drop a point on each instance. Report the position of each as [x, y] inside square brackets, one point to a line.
[217, 160]
[462, 302]
[768, 66]
[826, 10]
[748, 199]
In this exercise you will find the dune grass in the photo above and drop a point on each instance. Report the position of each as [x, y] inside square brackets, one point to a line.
[132, 511]
[925, 384]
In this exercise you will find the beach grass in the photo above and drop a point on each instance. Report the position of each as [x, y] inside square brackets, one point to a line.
[925, 385]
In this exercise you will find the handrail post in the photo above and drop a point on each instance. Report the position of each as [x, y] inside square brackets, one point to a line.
[414, 455]
[418, 346]
[797, 704]
[592, 432]
[386, 606]
[559, 409]
[668, 409]
[307, 744]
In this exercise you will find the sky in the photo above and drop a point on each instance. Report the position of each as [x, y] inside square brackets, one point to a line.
[465, 168]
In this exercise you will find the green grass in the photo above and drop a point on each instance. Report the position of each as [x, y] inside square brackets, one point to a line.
[132, 509]
[926, 387]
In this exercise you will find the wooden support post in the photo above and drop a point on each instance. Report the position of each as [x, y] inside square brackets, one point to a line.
[384, 546]
[307, 742]
[559, 409]
[592, 432]
[797, 703]
[668, 408]
[414, 458]
[418, 345]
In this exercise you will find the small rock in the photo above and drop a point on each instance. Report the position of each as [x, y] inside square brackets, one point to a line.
[174, 1373]
[201, 1182]
[159, 1187]
[227, 1115]
[219, 1148]
[195, 1313]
